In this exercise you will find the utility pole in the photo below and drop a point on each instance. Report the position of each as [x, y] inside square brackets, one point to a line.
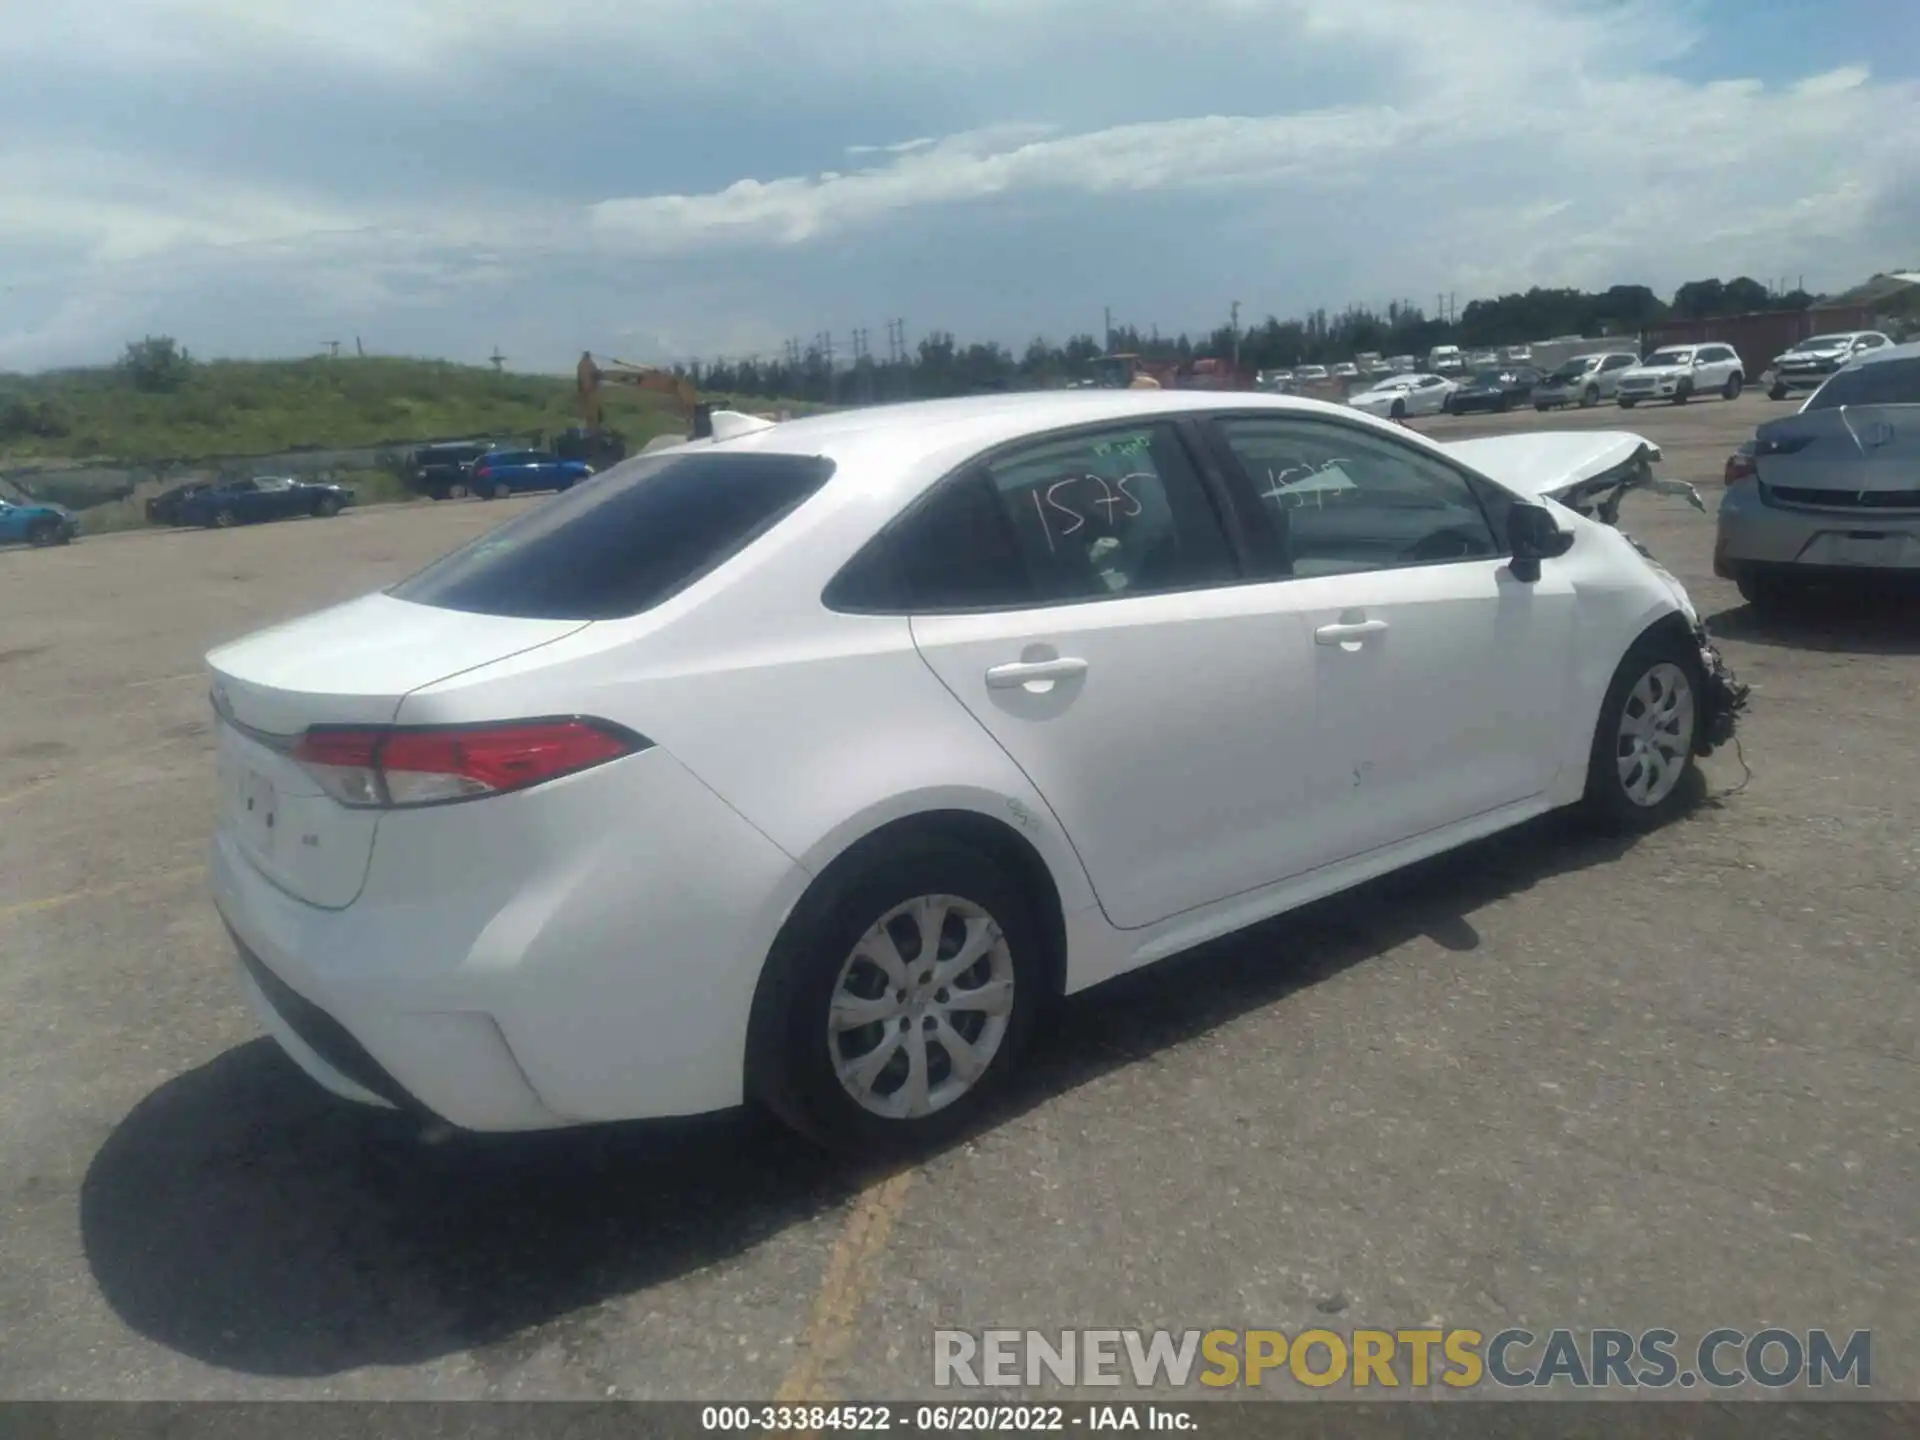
[358, 348]
[1235, 322]
[497, 360]
[333, 349]
[1106, 337]
[825, 339]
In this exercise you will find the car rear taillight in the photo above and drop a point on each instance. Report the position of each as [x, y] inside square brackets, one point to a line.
[393, 767]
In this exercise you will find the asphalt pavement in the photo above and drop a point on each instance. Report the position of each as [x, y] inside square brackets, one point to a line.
[1546, 1081]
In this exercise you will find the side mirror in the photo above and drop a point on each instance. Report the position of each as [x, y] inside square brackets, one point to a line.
[1533, 536]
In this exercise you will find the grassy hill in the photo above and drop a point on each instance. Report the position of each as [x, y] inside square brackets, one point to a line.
[242, 407]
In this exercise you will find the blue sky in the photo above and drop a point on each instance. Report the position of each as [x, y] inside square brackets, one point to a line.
[702, 177]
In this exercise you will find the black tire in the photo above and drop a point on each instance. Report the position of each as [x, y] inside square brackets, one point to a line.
[1626, 404]
[1768, 594]
[326, 507]
[1777, 392]
[790, 1064]
[1731, 390]
[43, 533]
[1542, 406]
[223, 519]
[1607, 803]
[1683, 392]
[1397, 411]
[502, 491]
[1502, 405]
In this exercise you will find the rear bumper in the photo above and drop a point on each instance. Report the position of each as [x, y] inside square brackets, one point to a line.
[561, 963]
[1755, 538]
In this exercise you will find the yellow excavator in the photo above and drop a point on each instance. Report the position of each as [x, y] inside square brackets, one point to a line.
[593, 377]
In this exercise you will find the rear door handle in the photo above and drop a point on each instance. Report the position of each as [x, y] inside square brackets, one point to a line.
[1024, 672]
[1348, 631]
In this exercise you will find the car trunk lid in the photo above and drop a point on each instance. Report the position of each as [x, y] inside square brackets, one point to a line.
[1853, 457]
[352, 664]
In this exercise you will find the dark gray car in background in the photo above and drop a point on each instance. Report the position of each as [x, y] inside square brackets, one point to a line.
[1830, 494]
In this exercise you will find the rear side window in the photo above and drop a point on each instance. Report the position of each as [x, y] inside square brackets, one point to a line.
[1884, 382]
[1090, 516]
[623, 542]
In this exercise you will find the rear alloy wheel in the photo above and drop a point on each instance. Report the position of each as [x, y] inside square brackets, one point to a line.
[1731, 390]
[887, 1020]
[1643, 746]
[456, 491]
[224, 518]
[502, 490]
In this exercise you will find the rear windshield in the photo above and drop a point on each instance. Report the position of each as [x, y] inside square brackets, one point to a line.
[623, 541]
[1880, 382]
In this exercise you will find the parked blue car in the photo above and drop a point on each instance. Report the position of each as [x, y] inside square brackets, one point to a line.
[35, 522]
[265, 497]
[501, 473]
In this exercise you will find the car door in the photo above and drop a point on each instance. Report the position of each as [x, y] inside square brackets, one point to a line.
[1610, 371]
[12, 522]
[1103, 630]
[1440, 680]
[274, 499]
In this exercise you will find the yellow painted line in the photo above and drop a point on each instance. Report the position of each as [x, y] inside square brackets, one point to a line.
[851, 1271]
[98, 892]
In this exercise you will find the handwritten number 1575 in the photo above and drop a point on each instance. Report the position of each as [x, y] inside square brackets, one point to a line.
[1115, 499]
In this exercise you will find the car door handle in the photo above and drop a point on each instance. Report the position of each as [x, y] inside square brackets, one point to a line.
[1024, 672]
[1347, 631]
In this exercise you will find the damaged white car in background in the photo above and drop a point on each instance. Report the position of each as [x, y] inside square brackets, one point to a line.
[810, 765]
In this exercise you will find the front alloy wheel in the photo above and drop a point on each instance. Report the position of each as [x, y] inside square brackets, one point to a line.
[1644, 744]
[1655, 735]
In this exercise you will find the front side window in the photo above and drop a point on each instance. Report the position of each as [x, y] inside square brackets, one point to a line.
[1343, 501]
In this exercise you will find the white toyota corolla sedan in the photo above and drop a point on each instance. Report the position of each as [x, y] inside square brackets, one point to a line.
[808, 766]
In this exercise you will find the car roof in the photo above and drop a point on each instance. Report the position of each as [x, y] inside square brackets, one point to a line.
[907, 439]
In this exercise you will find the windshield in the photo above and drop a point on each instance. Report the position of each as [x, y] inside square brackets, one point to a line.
[1881, 382]
[1823, 342]
[1490, 377]
[1667, 357]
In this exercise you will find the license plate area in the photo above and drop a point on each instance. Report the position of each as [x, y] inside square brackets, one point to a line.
[1866, 549]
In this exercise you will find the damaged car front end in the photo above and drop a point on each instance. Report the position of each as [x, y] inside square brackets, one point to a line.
[1591, 473]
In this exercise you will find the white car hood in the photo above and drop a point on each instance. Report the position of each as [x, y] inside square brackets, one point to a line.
[1551, 463]
[1658, 372]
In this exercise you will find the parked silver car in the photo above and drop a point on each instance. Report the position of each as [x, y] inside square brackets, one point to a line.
[1584, 380]
[1831, 493]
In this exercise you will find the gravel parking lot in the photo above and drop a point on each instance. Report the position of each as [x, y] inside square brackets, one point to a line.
[1547, 1081]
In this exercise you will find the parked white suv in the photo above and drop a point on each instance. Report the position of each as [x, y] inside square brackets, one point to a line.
[1680, 372]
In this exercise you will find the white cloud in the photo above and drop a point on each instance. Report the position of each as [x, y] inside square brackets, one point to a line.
[1536, 143]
